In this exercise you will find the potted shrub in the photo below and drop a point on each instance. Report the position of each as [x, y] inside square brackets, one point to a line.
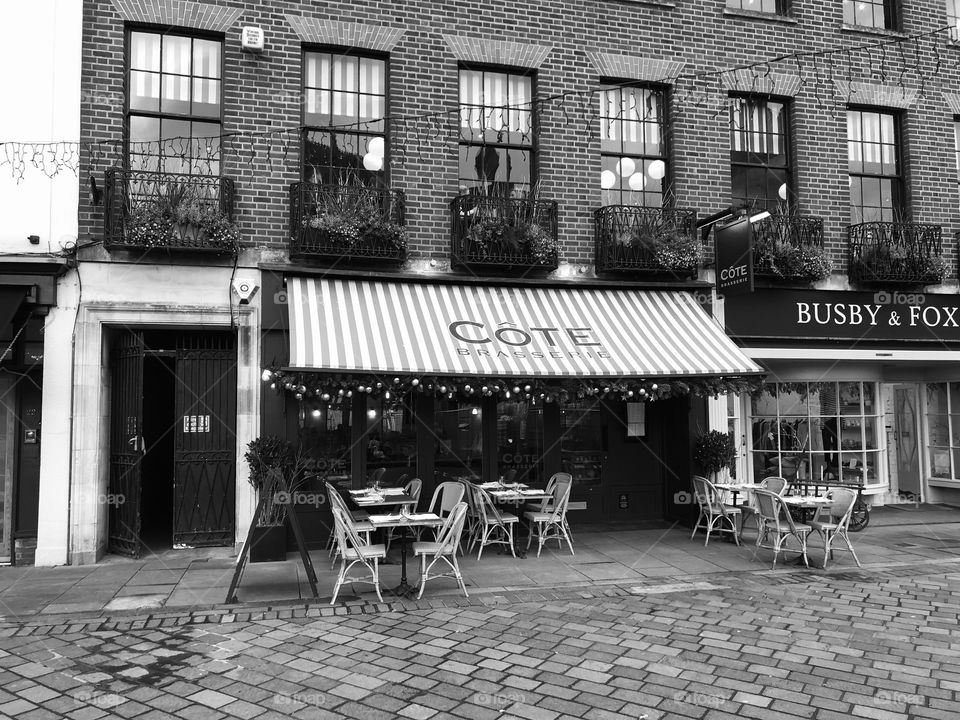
[275, 469]
[714, 451]
[806, 262]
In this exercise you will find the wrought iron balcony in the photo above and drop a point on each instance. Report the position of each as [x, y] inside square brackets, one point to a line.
[790, 248]
[646, 240]
[896, 253]
[503, 233]
[153, 210]
[350, 223]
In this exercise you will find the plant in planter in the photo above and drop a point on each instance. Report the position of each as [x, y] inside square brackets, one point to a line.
[714, 451]
[276, 469]
[146, 225]
[677, 251]
[806, 262]
[934, 268]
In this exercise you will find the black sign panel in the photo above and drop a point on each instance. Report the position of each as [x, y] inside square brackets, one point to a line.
[851, 316]
[734, 256]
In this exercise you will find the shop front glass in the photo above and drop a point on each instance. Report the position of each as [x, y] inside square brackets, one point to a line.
[581, 450]
[814, 431]
[458, 428]
[520, 441]
[943, 429]
[326, 439]
[391, 437]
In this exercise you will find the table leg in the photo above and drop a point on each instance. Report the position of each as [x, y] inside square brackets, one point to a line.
[403, 588]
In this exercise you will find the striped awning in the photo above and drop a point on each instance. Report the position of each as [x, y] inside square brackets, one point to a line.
[349, 325]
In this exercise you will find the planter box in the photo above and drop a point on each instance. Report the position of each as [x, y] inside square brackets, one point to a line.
[269, 544]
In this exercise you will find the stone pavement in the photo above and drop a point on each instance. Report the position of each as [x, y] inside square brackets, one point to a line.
[741, 644]
[185, 581]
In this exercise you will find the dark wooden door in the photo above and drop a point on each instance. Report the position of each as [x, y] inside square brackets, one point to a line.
[126, 444]
[205, 444]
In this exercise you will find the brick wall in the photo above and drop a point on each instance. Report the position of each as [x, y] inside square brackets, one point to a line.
[261, 92]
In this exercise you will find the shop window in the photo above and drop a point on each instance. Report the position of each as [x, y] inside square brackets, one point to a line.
[880, 14]
[873, 161]
[735, 429]
[496, 132]
[581, 443]
[326, 438]
[633, 150]
[344, 104]
[809, 431]
[943, 429]
[174, 93]
[391, 436]
[458, 428]
[520, 441]
[759, 152]
[778, 7]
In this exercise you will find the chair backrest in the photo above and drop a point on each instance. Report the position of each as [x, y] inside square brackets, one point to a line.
[701, 490]
[766, 506]
[470, 496]
[777, 485]
[346, 534]
[448, 539]
[377, 475]
[487, 510]
[334, 497]
[446, 496]
[771, 507]
[842, 506]
[561, 494]
[413, 488]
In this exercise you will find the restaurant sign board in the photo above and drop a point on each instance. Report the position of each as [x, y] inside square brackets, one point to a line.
[734, 255]
[841, 315]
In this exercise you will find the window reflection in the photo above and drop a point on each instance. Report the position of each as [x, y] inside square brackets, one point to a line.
[520, 441]
[458, 428]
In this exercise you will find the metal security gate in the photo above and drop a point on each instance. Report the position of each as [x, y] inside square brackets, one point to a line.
[126, 444]
[205, 446]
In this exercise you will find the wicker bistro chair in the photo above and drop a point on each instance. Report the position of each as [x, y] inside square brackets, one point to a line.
[775, 519]
[714, 515]
[546, 505]
[552, 524]
[839, 513]
[492, 526]
[412, 488]
[359, 519]
[445, 498]
[472, 523]
[443, 549]
[749, 509]
[354, 551]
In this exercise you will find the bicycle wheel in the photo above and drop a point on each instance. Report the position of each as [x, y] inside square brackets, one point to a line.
[860, 517]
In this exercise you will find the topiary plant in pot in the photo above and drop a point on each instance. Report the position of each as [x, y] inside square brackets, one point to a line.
[276, 470]
[714, 451]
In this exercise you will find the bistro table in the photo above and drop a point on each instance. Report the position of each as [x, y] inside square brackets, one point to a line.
[404, 520]
[386, 497]
[736, 488]
[514, 494]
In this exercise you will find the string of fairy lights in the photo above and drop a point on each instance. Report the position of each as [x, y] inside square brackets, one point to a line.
[910, 63]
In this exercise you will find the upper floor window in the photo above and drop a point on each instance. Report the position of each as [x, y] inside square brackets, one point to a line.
[871, 13]
[953, 18]
[759, 152]
[956, 145]
[345, 98]
[633, 152]
[174, 94]
[778, 7]
[496, 131]
[873, 159]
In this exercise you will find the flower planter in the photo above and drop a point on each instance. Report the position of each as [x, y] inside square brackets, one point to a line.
[269, 543]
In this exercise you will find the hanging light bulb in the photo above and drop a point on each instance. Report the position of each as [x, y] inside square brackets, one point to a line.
[266, 375]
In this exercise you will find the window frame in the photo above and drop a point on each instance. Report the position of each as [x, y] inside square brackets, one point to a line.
[891, 13]
[782, 7]
[532, 148]
[953, 18]
[788, 152]
[128, 112]
[305, 129]
[898, 200]
[663, 91]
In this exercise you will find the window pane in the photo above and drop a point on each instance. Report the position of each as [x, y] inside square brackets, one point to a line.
[144, 91]
[371, 76]
[206, 98]
[206, 58]
[458, 428]
[175, 94]
[937, 398]
[317, 107]
[175, 145]
[520, 441]
[326, 439]
[144, 143]
[144, 51]
[176, 54]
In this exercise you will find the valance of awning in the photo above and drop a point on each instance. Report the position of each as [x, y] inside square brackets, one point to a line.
[371, 326]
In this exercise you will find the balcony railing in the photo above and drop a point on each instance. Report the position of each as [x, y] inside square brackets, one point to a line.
[790, 248]
[503, 233]
[896, 253]
[153, 210]
[350, 223]
[646, 240]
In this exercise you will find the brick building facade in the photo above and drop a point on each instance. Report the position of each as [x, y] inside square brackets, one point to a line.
[813, 59]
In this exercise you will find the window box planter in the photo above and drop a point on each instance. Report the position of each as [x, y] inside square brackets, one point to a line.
[885, 253]
[504, 233]
[647, 241]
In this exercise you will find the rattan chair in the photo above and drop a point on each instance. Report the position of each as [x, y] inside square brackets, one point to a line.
[492, 526]
[552, 524]
[748, 510]
[412, 488]
[839, 512]
[443, 549]
[713, 515]
[353, 551]
[775, 519]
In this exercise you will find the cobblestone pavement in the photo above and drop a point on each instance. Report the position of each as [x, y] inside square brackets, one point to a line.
[875, 644]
